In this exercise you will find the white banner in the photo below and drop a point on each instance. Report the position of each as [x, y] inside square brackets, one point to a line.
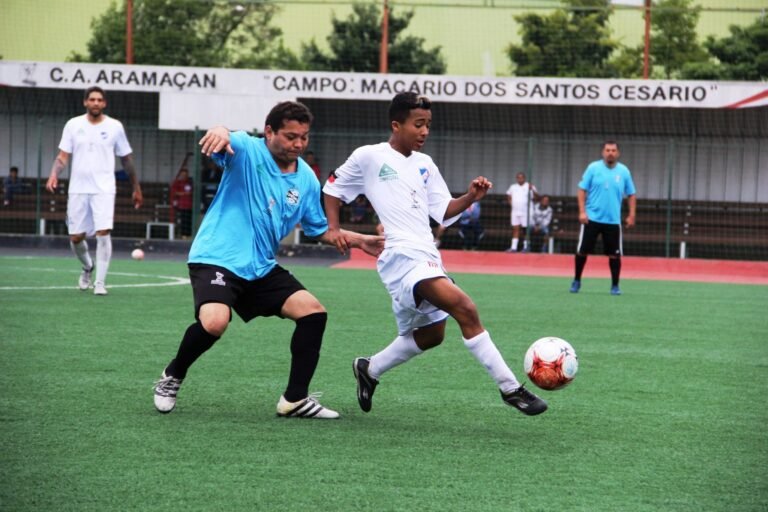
[268, 84]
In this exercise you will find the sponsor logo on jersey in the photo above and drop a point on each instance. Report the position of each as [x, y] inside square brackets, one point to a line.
[292, 197]
[219, 279]
[424, 173]
[332, 177]
[386, 173]
[104, 135]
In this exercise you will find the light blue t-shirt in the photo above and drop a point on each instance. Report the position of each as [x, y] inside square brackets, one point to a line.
[606, 188]
[255, 207]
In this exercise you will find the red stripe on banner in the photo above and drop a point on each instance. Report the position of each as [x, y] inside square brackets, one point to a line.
[561, 265]
[756, 97]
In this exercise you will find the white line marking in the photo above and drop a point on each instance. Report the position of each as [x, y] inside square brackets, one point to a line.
[172, 280]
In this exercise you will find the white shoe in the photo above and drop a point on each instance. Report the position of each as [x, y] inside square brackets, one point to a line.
[166, 390]
[85, 279]
[99, 288]
[307, 408]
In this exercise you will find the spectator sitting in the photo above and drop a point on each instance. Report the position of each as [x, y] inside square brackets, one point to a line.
[470, 229]
[12, 185]
[541, 218]
[359, 210]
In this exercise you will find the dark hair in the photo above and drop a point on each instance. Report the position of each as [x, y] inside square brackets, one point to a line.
[288, 111]
[14, 168]
[404, 102]
[609, 142]
[94, 88]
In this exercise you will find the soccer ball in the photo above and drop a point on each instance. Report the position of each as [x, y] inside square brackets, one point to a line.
[551, 363]
[137, 254]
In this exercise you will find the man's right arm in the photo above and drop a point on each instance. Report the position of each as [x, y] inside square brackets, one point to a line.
[59, 163]
[215, 140]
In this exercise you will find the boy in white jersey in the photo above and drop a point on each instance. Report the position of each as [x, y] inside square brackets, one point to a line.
[406, 189]
[520, 197]
[93, 140]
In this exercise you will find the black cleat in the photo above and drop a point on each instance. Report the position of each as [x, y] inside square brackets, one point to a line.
[366, 384]
[524, 401]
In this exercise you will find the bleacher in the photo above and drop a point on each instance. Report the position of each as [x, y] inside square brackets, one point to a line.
[700, 229]
[21, 216]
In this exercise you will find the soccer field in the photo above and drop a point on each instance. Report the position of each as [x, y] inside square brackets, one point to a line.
[668, 411]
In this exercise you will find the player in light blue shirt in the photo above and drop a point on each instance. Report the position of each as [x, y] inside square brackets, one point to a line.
[602, 189]
[252, 182]
[266, 190]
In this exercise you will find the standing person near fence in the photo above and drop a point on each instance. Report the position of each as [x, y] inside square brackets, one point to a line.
[181, 196]
[93, 140]
[265, 191]
[405, 188]
[520, 197]
[602, 189]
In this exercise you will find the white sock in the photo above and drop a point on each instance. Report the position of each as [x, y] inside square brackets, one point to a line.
[81, 251]
[399, 351]
[514, 244]
[525, 244]
[484, 350]
[103, 255]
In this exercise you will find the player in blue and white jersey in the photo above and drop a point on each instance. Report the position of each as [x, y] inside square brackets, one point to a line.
[405, 188]
[265, 191]
[602, 189]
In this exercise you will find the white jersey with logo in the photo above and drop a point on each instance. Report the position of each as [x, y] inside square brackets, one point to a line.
[93, 148]
[521, 197]
[404, 191]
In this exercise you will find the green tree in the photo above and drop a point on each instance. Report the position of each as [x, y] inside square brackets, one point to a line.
[191, 33]
[743, 55]
[354, 45]
[673, 45]
[574, 41]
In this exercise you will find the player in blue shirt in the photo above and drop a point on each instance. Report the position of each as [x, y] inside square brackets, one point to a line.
[602, 189]
[266, 190]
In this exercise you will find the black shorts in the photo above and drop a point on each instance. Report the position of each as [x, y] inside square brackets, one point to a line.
[611, 238]
[249, 299]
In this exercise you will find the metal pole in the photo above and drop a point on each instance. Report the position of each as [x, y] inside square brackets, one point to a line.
[670, 172]
[529, 170]
[38, 193]
[197, 183]
[647, 46]
[383, 46]
[129, 31]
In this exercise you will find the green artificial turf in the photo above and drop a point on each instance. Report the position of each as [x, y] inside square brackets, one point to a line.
[668, 411]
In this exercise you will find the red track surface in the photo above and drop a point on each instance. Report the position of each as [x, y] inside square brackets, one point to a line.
[669, 269]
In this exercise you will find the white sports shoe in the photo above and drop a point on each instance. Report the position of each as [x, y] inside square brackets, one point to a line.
[306, 408]
[166, 390]
[85, 279]
[99, 288]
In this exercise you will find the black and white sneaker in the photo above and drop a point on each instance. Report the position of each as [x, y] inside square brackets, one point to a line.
[307, 408]
[524, 401]
[366, 384]
[166, 390]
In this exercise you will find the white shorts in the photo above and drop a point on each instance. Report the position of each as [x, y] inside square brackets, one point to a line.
[520, 219]
[400, 271]
[88, 213]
